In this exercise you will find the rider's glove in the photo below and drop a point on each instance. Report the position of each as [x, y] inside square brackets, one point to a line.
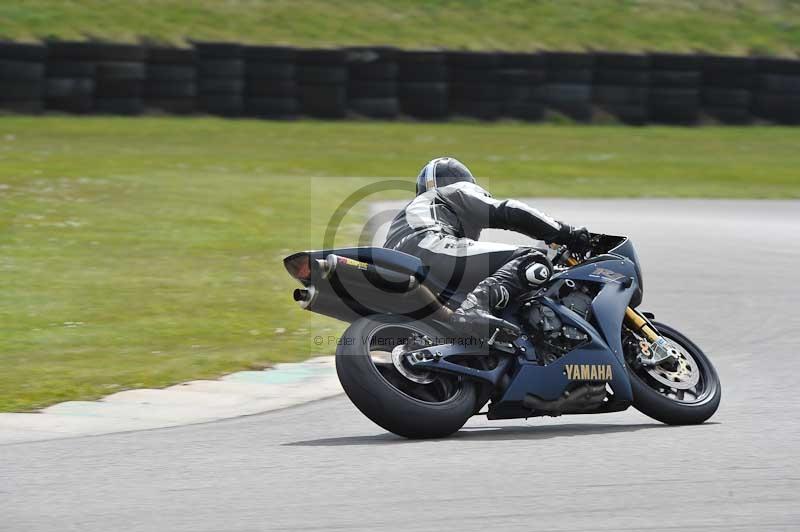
[577, 239]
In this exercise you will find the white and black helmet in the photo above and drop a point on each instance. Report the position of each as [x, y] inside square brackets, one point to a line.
[441, 172]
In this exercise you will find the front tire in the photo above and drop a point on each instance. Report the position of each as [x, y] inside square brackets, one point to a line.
[654, 398]
[387, 397]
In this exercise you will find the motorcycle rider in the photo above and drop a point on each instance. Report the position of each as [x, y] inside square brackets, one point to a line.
[442, 225]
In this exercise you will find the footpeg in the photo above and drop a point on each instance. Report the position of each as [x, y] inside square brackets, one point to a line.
[493, 342]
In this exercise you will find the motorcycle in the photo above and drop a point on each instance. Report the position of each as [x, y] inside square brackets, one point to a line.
[584, 347]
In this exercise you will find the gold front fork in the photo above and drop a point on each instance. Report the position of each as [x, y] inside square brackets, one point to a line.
[636, 322]
[633, 319]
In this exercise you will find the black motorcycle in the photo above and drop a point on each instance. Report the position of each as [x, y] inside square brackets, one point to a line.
[584, 347]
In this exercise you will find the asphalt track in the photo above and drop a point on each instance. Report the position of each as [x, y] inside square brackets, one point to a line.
[724, 272]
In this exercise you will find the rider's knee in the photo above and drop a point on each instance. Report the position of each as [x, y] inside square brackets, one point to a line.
[534, 267]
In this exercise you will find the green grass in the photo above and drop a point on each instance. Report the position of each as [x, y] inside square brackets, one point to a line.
[740, 26]
[143, 252]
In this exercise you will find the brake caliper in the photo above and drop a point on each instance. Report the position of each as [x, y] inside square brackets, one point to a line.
[660, 352]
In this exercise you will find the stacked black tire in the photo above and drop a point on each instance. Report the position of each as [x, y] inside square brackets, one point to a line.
[569, 84]
[521, 78]
[119, 72]
[22, 74]
[270, 82]
[777, 97]
[171, 83]
[220, 78]
[229, 79]
[727, 88]
[119, 79]
[474, 89]
[620, 86]
[422, 84]
[372, 82]
[70, 78]
[675, 81]
[322, 77]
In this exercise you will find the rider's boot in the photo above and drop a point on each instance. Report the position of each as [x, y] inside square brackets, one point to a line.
[475, 316]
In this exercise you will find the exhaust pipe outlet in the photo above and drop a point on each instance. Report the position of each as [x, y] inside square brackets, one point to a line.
[305, 296]
[300, 294]
[324, 267]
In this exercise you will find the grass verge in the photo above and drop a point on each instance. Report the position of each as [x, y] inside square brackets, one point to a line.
[739, 27]
[143, 252]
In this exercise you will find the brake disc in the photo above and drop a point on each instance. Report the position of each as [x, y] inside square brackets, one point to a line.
[398, 359]
[686, 374]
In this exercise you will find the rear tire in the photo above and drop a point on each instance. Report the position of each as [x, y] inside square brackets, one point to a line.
[385, 404]
[656, 405]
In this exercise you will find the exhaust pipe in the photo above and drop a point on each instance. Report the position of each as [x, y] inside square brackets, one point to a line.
[305, 296]
[300, 294]
[374, 283]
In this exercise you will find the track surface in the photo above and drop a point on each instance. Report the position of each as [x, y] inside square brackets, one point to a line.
[723, 272]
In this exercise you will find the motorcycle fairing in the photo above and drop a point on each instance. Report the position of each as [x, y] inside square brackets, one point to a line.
[603, 348]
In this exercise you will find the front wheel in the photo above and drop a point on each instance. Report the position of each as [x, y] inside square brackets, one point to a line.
[686, 394]
[382, 385]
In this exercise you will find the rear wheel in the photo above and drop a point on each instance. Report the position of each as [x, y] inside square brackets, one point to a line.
[385, 388]
[685, 393]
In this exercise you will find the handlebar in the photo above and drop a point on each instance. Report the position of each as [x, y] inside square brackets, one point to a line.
[562, 252]
[565, 255]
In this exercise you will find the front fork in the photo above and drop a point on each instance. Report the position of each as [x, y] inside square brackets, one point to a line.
[660, 349]
[637, 323]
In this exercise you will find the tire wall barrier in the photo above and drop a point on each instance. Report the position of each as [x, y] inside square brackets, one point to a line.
[276, 82]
